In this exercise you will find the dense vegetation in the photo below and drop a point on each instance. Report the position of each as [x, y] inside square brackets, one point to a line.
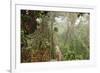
[42, 30]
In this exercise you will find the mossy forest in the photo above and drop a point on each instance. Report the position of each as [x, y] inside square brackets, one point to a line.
[48, 36]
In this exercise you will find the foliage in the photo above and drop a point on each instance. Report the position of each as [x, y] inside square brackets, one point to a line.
[41, 30]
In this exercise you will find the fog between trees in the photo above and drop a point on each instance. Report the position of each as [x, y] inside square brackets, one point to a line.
[41, 31]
